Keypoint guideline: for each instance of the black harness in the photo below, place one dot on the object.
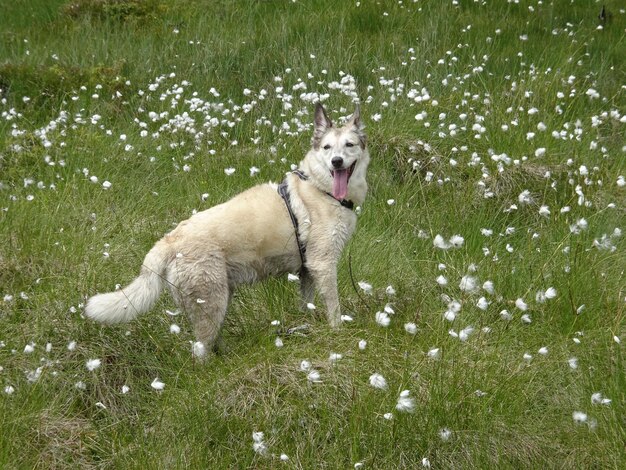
(284, 193)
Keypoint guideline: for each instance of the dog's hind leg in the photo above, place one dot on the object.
(307, 289)
(201, 289)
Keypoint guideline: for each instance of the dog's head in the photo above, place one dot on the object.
(340, 153)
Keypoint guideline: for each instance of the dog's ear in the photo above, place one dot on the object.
(358, 125)
(322, 124)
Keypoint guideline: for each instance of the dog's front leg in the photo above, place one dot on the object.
(325, 279)
(307, 288)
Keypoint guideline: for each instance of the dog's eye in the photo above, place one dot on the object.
(326, 147)
(349, 144)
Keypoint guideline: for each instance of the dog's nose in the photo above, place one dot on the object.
(337, 162)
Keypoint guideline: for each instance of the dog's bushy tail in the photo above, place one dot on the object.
(138, 297)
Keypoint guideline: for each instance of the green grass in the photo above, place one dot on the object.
(77, 60)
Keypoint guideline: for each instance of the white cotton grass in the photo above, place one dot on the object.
(456, 241)
(378, 381)
(405, 403)
(365, 287)
(258, 443)
(410, 328)
(157, 384)
(93, 364)
(382, 318)
(468, 284)
(198, 350)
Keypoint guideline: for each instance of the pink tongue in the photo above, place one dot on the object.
(340, 183)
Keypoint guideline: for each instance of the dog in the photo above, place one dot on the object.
(301, 225)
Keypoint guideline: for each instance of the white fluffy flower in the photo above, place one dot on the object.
(405, 404)
(378, 381)
(440, 243)
(457, 241)
(382, 319)
(157, 384)
(468, 283)
(410, 328)
(93, 364)
(314, 376)
(198, 350)
(366, 287)
(520, 304)
(579, 417)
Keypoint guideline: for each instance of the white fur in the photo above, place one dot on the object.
(251, 237)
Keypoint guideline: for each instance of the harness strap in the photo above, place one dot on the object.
(284, 193)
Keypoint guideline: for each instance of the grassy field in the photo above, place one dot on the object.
(492, 233)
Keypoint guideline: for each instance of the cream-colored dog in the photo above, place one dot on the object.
(300, 226)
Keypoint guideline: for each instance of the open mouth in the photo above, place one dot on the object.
(341, 176)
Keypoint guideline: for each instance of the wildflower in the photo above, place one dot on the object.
(29, 348)
(310, 306)
(425, 462)
(382, 319)
(543, 351)
(367, 288)
(125, 389)
(405, 403)
(388, 416)
(390, 290)
(579, 417)
(284, 457)
(157, 384)
(457, 241)
(346, 318)
(482, 303)
(442, 281)
(524, 197)
(174, 329)
(440, 243)
(573, 362)
(527, 357)
(410, 328)
(314, 376)
(597, 399)
(229, 171)
(292, 277)
(434, 353)
(305, 365)
(520, 304)
(334, 357)
(506, 315)
(445, 434)
(488, 287)
(106, 185)
(258, 444)
(544, 211)
(378, 381)
(468, 283)
(526, 318)
(9, 390)
(93, 364)
(198, 350)
(465, 333)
